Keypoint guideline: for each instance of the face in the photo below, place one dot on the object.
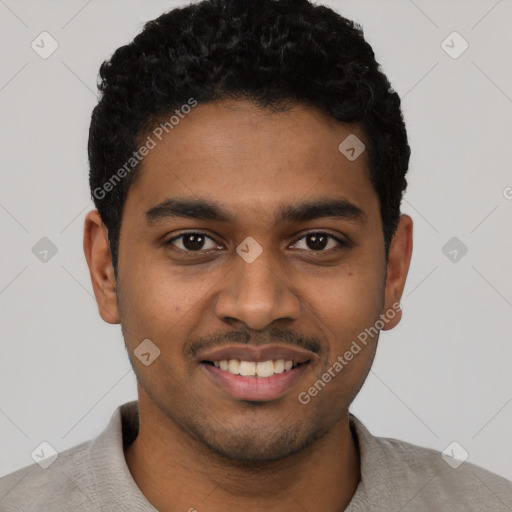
(248, 236)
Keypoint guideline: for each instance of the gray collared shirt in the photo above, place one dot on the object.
(395, 476)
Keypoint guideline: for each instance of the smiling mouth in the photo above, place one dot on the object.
(257, 373)
(259, 369)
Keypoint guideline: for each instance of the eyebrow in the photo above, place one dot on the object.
(199, 209)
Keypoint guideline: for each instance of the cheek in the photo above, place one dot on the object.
(160, 304)
(353, 292)
(350, 304)
(347, 310)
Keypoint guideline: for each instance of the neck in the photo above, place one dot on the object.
(175, 472)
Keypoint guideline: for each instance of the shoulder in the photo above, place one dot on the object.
(430, 480)
(67, 484)
(422, 479)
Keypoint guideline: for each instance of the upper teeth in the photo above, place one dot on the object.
(252, 368)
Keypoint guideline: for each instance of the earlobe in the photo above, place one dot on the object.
(399, 259)
(99, 261)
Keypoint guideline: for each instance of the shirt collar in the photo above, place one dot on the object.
(112, 477)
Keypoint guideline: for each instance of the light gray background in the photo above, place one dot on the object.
(442, 375)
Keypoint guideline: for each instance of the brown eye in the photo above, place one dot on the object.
(192, 241)
(319, 241)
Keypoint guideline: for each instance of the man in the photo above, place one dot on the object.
(247, 162)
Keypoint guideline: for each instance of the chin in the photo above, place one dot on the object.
(257, 445)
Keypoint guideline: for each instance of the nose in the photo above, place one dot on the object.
(257, 293)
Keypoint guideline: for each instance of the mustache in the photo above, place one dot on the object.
(244, 337)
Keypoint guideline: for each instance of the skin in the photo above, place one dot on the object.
(198, 447)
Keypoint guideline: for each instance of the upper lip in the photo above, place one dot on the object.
(256, 353)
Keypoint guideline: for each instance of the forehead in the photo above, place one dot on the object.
(250, 159)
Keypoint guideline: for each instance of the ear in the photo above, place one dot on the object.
(400, 252)
(99, 261)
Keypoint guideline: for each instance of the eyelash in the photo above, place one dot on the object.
(341, 242)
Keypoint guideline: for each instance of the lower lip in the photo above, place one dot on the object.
(256, 388)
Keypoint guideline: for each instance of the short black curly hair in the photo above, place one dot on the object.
(271, 52)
